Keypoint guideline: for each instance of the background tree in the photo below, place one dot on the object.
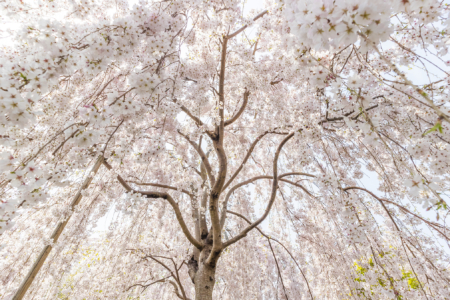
(144, 145)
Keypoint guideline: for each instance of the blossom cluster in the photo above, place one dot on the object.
(350, 96)
(324, 23)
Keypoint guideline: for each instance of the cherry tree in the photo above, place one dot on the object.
(198, 150)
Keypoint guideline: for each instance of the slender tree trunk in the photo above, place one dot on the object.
(26, 283)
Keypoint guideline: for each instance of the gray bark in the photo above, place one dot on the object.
(205, 278)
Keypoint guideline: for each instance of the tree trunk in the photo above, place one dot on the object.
(205, 277)
(204, 282)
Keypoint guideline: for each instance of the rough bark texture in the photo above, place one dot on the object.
(205, 278)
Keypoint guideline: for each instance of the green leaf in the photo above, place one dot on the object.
(23, 76)
(437, 126)
(413, 283)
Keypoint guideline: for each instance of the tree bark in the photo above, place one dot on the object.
(204, 282)
(26, 283)
(205, 278)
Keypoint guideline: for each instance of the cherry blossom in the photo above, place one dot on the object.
(203, 150)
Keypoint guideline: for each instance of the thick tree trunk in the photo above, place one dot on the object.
(204, 282)
(205, 277)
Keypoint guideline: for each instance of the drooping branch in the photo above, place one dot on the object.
(194, 118)
(231, 191)
(176, 208)
(234, 188)
(247, 156)
(175, 276)
(442, 116)
(278, 268)
(298, 185)
(241, 110)
(110, 137)
(404, 209)
(51, 140)
(417, 55)
(273, 253)
(155, 195)
(145, 286)
(123, 95)
(273, 239)
(203, 156)
(346, 115)
(64, 142)
(271, 200)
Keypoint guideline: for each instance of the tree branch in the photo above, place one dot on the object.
(271, 200)
(278, 268)
(271, 238)
(247, 156)
(298, 185)
(225, 203)
(441, 115)
(175, 276)
(244, 27)
(147, 285)
(346, 115)
(231, 191)
(169, 199)
(37, 265)
(110, 137)
(63, 143)
(202, 155)
(203, 203)
(241, 110)
(162, 186)
(51, 140)
(220, 151)
(194, 118)
(404, 209)
(176, 290)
